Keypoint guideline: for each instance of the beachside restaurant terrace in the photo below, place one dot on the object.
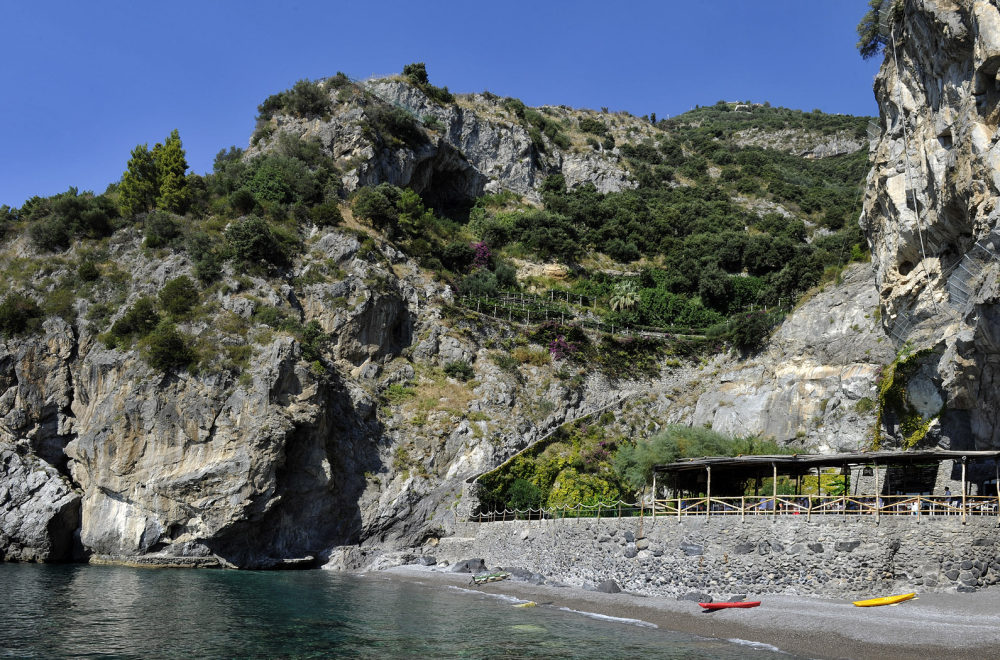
(893, 483)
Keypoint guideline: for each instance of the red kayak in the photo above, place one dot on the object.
(721, 606)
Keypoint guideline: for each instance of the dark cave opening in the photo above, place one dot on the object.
(448, 183)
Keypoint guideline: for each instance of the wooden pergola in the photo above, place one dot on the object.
(731, 474)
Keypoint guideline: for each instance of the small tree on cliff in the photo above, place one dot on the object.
(873, 33)
(155, 179)
(137, 192)
(172, 193)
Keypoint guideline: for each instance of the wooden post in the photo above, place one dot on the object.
(847, 486)
(678, 506)
(878, 493)
(708, 491)
(743, 506)
(598, 511)
(996, 463)
(774, 489)
(963, 490)
(654, 497)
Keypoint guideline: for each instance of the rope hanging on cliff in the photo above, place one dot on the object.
(906, 166)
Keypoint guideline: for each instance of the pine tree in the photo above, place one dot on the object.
(172, 193)
(155, 179)
(137, 192)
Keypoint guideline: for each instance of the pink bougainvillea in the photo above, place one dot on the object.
(559, 348)
(482, 258)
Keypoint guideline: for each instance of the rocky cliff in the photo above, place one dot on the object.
(282, 449)
(460, 150)
(932, 219)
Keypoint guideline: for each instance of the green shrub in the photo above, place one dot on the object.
(138, 321)
(61, 302)
(162, 229)
(397, 393)
(417, 74)
(506, 275)
(864, 405)
(457, 256)
(88, 271)
(522, 495)
(278, 179)
(326, 214)
(505, 361)
(178, 295)
(480, 284)
(595, 126)
(51, 233)
(391, 125)
(377, 205)
(19, 314)
(166, 349)
(305, 98)
(750, 331)
(242, 201)
(252, 242)
(459, 369)
(432, 122)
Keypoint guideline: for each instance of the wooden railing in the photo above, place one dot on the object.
(843, 505)
(753, 505)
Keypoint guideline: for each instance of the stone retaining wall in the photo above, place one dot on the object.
(785, 554)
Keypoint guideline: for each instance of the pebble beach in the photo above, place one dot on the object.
(933, 625)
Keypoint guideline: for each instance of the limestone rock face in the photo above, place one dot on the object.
(467, 148)
(931, 212)
(39, 511)
(808, 382)
(369, 448)
(802, 143)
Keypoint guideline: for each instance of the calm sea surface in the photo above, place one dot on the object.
(112, 612)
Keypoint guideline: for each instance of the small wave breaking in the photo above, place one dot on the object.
(616, 619)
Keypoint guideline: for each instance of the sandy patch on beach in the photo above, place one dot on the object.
(935, 625)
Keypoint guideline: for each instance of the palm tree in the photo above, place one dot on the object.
(624, 295)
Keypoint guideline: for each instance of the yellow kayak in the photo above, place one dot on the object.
(885, 600)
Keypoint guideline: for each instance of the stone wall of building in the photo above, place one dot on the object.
(829, 555)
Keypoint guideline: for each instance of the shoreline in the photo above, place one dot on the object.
(939, 625)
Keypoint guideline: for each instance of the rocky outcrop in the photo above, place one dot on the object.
(808, 144)
(931, 212)
(465, 149)
(815, 380)
(39, 510)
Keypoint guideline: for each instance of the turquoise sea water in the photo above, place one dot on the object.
(115, 612)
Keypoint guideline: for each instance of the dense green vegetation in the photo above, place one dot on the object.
(587, 462)
(703, 256)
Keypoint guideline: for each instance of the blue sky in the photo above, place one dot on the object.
(84, 82)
